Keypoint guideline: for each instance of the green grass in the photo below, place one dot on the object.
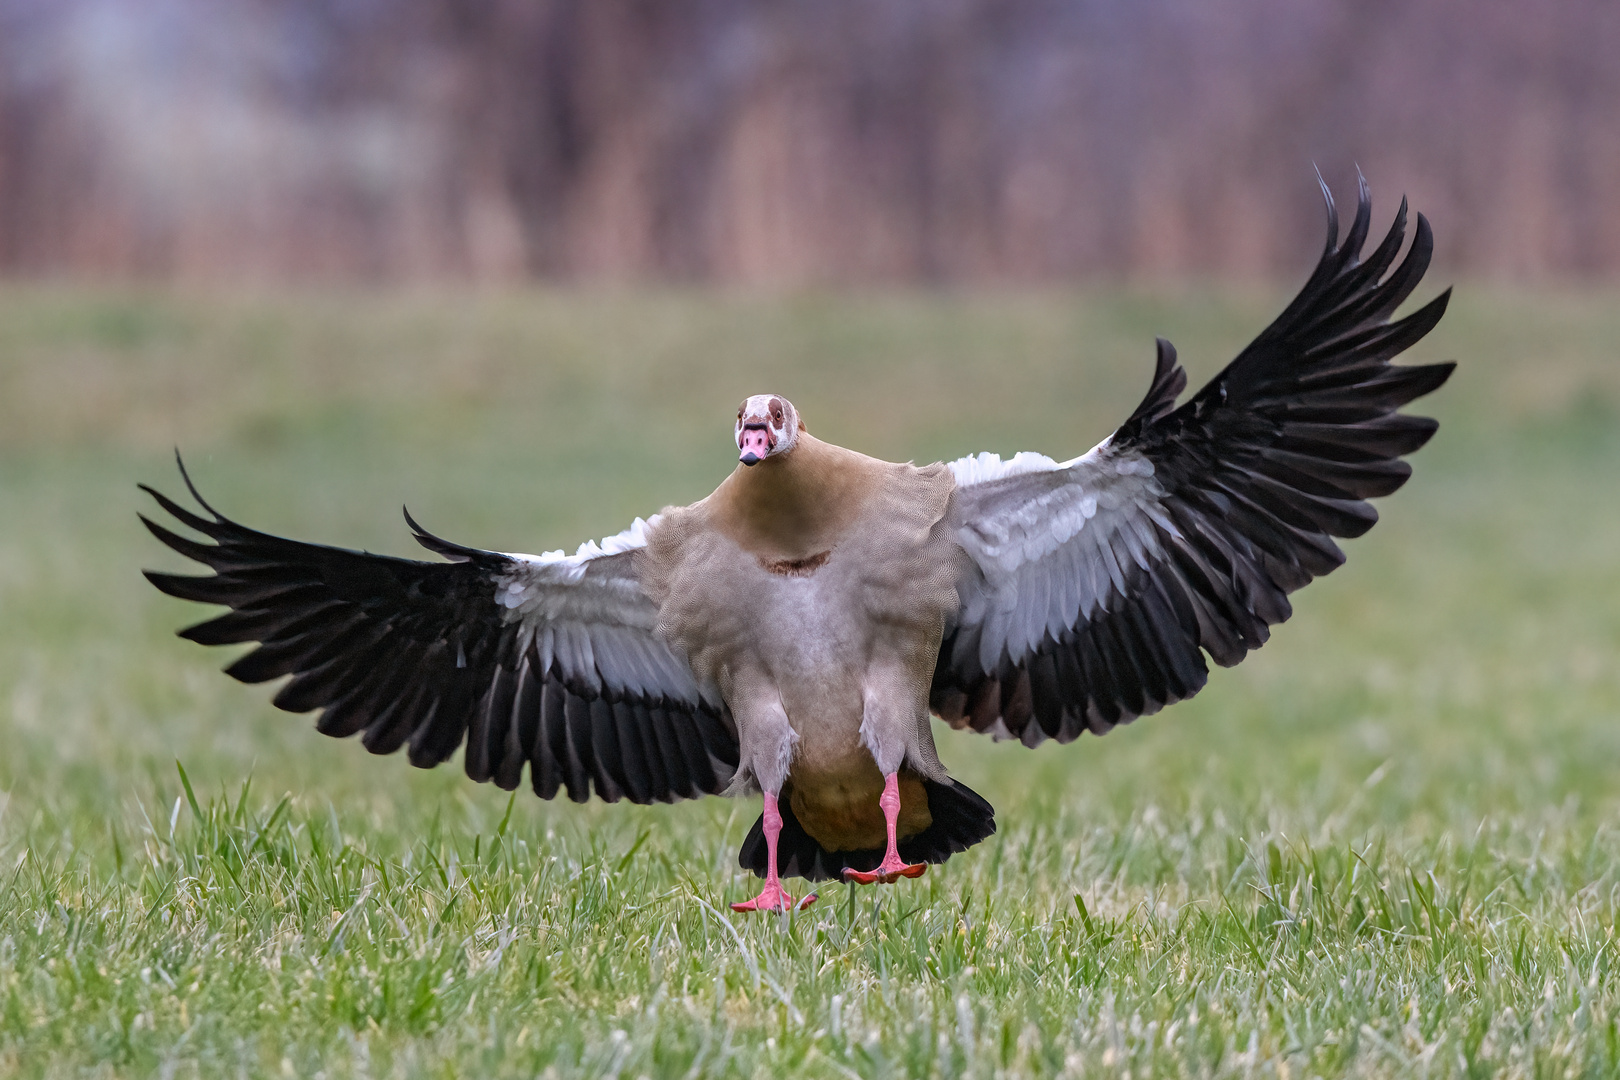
(1388, 844)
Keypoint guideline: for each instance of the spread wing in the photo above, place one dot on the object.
(1094, 587)
(550, 660)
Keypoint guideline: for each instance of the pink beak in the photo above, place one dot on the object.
(755, 444)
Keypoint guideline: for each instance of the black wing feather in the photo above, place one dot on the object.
(421, 654)
(1257, 474)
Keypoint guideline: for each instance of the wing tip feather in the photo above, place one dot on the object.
(191, 487)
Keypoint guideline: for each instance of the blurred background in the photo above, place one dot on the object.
(792, 143)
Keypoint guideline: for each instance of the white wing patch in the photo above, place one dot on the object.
(572, 567)
(983, 467)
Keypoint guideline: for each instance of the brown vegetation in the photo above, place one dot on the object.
(793, 142)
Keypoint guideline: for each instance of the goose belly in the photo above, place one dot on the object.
(792, 644)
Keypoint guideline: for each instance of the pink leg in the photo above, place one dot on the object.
(772, 897)
(891, 869)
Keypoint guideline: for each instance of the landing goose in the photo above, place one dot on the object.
(791, 633)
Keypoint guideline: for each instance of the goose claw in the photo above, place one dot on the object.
(887, 873)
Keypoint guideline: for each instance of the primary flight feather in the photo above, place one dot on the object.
(791, 633)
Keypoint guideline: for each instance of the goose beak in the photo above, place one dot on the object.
(755, 444)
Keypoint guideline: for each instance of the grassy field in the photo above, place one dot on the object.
(1386, 845)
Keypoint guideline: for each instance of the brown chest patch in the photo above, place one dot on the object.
(797, 567)
(850, 819)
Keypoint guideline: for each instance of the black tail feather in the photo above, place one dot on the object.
(961, 819)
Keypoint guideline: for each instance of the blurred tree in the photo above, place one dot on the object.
(790, 141)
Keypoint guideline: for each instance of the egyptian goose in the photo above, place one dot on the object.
(791, 633)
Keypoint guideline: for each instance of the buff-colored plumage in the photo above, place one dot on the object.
(813, 589)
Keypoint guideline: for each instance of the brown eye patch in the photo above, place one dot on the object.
(776, 410)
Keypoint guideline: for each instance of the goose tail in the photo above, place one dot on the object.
(961, 816)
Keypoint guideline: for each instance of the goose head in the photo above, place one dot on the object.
(767, 426)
